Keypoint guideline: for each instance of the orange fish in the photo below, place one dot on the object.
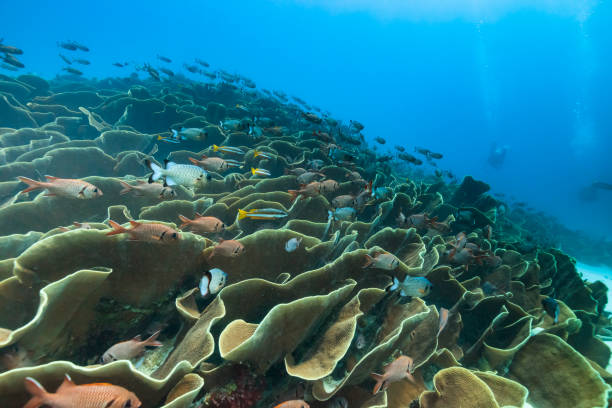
(228, 248)
(201, 224)
(70, 188)
(215, 164)
(399, 369)
(308, 190)
(127, 350)
(293, 404)
(150, 232)
(70, 395)
(443, 319)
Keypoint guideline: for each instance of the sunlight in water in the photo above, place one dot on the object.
(450, 9)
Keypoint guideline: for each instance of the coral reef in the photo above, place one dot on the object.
(307, 321)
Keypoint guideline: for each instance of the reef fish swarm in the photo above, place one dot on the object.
(279, 287)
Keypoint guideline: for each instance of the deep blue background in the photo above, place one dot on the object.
(536, 81)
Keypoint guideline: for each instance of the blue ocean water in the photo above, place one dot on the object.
(455, 78)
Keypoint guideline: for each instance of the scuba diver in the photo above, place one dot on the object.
(497, 155)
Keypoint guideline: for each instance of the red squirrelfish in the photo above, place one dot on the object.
(293, 404)
(70, 188)
(215, 164)
(70, 395)
(227, 248)
(201, 224)
(150, 232)
(127, 350)
(398, 370)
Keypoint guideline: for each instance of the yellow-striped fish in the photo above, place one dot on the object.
(262, 214)
(259, 172)
(265, 155)
(227, 149)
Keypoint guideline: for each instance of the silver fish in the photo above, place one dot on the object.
(212, 281)
(412, 286)
(178, 174)
(293, 244)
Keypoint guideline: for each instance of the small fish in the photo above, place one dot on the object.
(72, 71)
(443, 319)
(345, 200)
(9, 67)
(65, 59)
(216, 164)
(191, 68)
(82, 61)
(68, 45)
(242, 108)
(329, 186)
(185, 175)
(69, 188)
(152, 190)
(212, 282)
(234, 163)
(412, 286)
(353, 176)
(9, 59)
(202, 63)
(70, 395)
(127, 350)
(293, 244)
(167, 72)
(265, 155)
(231, 125)
(259, 172)
(227, 248)
(147, 232)
(311, 117)
(343, 214)
(380, 140)
(12, 357)
(487, 232)
(202, 224)
(227, 149)
(164, 59)
(310, 190)
(399, 369)
(360, 341)
(262, 214)
(120, 64)
(152, 72)
(293, 404)
(80, 46)
(323, 136)
(77, 225)
(9, 49)
(400, 149)
(194, 134)
(298, 171)
(275, 130)
(357, 125)
(433, 155)
(382, 260)
(551, 306)
(315, 164)
(308, 177)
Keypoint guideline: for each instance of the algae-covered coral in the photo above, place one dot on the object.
(321, 266)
